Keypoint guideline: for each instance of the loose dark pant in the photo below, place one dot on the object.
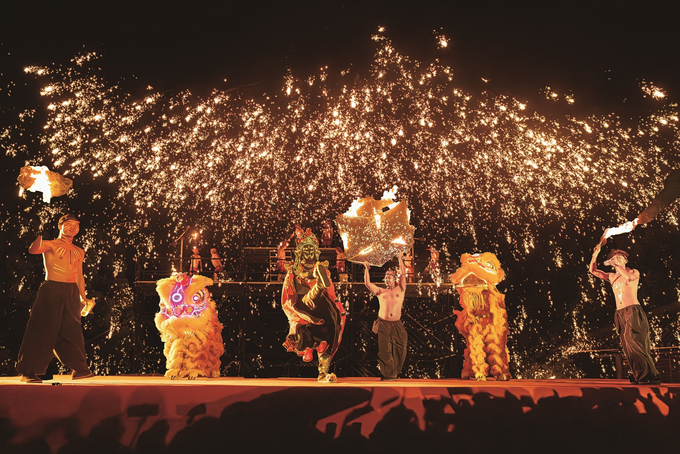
(54, 327)
(633, 328)
(392, 340)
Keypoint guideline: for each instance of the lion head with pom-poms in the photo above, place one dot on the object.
(189, 327)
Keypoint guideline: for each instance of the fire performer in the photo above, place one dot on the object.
(630, 320)
(315, 316)
(392, 336)
(54, 325)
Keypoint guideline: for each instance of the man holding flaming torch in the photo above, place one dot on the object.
(631, 321)
(54, 325)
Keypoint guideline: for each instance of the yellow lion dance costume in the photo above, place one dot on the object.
(483, 321)
(189, 327)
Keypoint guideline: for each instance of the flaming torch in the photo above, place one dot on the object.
(40, 179)
(670, 192)
(376, 230)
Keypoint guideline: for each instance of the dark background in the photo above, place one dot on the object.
(598, 51)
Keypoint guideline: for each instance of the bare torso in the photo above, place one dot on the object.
(391, 301)
(625, 288)
(63, 260)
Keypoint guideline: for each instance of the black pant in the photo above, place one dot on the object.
(54, 327)
(633, 328)
(392, 340)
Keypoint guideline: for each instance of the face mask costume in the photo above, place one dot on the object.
(315, 316)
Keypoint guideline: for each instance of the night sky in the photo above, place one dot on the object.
(596, 49)
(560, 137)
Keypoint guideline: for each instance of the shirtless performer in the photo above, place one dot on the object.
(630, 319)
(392, 337)
(54, 325)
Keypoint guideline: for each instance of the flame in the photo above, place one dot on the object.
(354, 208)
(623, 228)
(42, 183)
(366, 250)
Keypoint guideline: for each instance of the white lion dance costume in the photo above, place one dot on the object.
(189, 327)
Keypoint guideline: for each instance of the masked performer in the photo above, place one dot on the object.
(54, 325)
(392, 336)
(630, 320)
(315, 316)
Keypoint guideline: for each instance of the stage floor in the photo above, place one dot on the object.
(143, 413)
(159, 380)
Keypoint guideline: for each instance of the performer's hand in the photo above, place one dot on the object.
(88, 304)
(367, 265)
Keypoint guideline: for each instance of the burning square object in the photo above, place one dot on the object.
(375, 230)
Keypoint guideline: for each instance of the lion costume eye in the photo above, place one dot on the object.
(198, 296)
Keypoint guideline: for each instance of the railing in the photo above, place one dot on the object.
(259, 264)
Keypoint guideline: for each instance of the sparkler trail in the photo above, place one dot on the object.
(480, 172)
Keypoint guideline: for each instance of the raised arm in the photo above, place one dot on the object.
(367, 280)
(402, 271)
(593, 265)
(38, 246)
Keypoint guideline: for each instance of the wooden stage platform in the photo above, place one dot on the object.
(143, 414)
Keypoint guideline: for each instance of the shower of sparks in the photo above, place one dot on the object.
(480, 172)
(651, 90)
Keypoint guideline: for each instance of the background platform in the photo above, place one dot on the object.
(154, 414)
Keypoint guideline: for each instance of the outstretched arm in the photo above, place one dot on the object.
(593, 265)
(367, 280)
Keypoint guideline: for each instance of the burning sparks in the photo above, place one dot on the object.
(650, 90)
(480, 171)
